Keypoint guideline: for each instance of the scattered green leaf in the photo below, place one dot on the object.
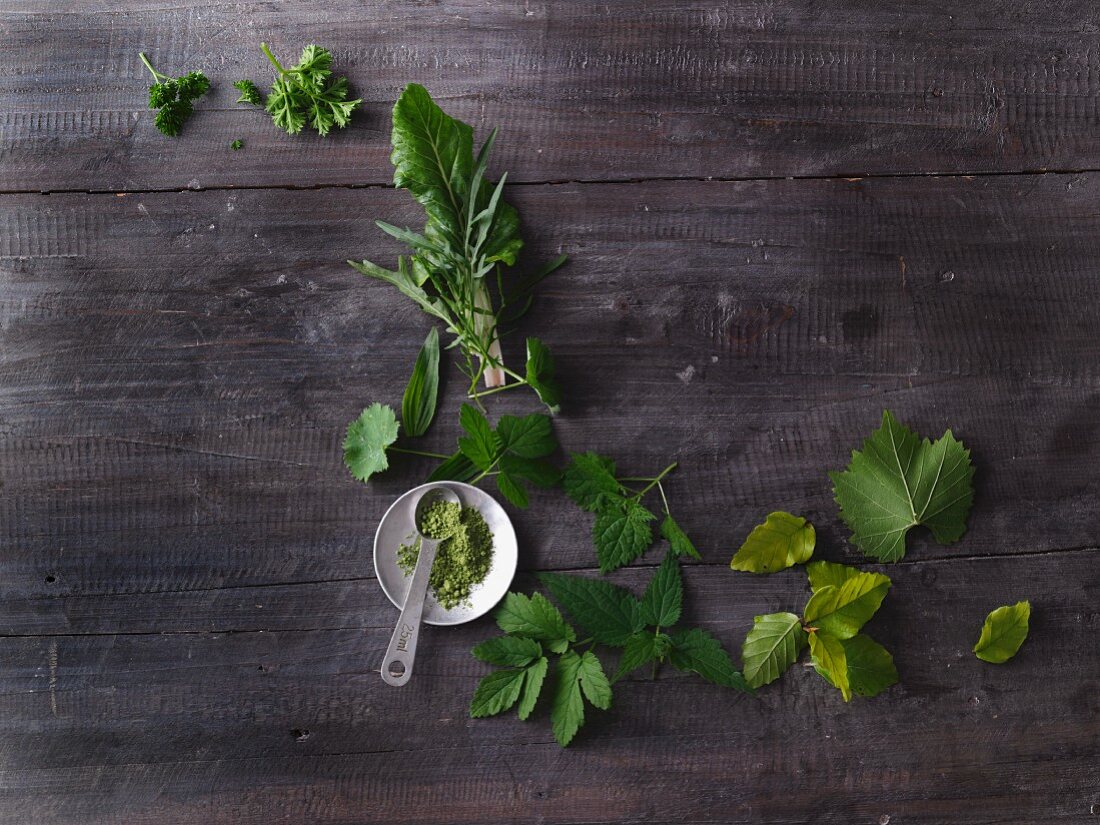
(830, 661)
(782, 541)
(174, 97)
(664, 597)
(236, 145)
(534, 617)
(306, 93)
(771, 647)
(608, 613)
(368, 437)
(842, 611)
(418, 403)
(677, 539)
(1003, 631)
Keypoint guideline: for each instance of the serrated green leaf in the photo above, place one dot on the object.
(842, 611)
(496, 693)
(538, 471)
(594, 684)
(828, 656)
(367, 439)
(540, 374)
(589, 479)
(536, 618)
(567, 715)
(664, 596)
(480, 444)
(870, 666)
(899, 481)
(509, 651)
(529, 437)
(640, 649)
(697, 651)
(1003, 631)
(782, 541)
(771, 646)
(511, 490)
(823, 573)
(532, 686)
(608, 613)
(418, 403)
(621, 533)
(677, 539)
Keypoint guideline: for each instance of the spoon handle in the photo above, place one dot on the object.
(398, 664)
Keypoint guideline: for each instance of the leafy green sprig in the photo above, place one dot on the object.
(173, 97)
(471, 233)
(305, 93)
(622, 530)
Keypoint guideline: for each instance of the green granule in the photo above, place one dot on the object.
(463, 558)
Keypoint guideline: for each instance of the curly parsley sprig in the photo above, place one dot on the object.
(173, 97)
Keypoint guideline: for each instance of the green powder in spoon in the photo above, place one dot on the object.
(464, 556)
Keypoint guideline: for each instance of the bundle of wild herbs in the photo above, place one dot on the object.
(471, 232)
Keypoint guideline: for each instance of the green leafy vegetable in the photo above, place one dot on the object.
(303, 94)
(771, 647)
(1003, 631)
(236, 145)
(622, 530)
(174, 97)
(367, 440)
(664, 597)
(471, 232)
(418, 403)
(899, 481)
(534, 617)
(780, 542)
(608, 613)
(511, 651)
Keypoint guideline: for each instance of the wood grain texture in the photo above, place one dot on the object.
(584, 91)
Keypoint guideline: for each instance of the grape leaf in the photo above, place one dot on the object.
(536, 618)
(842, 611)
(368, 437)
(510, 651)
(697, 651)
(418, 403)
(567, 715)
(590, 481)
(771, 646)
(496, 692)
(532, 686)
(1003, 631)
(828, 656)
(780, 542)
(608, 613)
(677, 539)
(822, 573)
(899, 481)
(870, 666)
(621, 533)
(664, 596)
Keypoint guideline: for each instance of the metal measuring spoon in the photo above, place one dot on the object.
(398, 664)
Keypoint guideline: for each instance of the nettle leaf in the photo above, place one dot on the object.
(509, 651)
(664, 596)
(589, 479)
(536, 618)
(480, 444)
(532, 686)
(842, 611)
(538, 471)
(823, 573)
(621, 533)
(608, 613)
(870, 666)
(529, 437)
(640, 649)
(831, 662)
(1003, 631)
(677, 539)
(418, 403)
(540, 374)
(496, 692)
(782, 541)
(367, 439)
(511, 489)
(899, 481)
(697, 651)
(771, 646)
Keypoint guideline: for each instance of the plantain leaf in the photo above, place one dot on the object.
(418, 403)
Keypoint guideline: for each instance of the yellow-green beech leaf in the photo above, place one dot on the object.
(842, 611)
(899, 481)
(822, 573)
(771, 647)
(782, 541)
(831, 662)
(1003, 632)
(870, 666)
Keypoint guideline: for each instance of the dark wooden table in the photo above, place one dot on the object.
(782, 217)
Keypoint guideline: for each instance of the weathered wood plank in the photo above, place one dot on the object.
(583, 91)
(176, 370)
(244, 727)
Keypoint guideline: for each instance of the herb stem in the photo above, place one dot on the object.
(157, 76)
(657, 480)
(661, 490)
(271, 57)
(418, 452)
(501, 388)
